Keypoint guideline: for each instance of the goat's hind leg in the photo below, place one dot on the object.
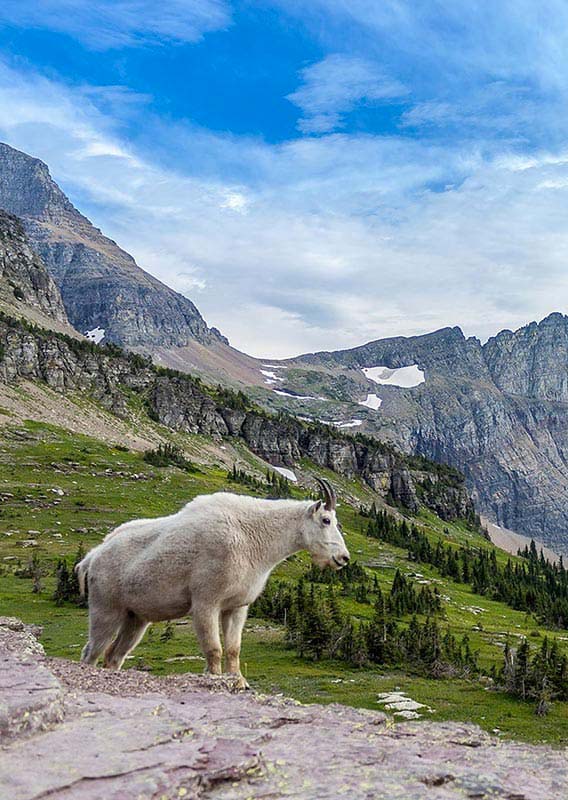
(130, 633)
(103, 626)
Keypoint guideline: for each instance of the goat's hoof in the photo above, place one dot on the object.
(239, 683)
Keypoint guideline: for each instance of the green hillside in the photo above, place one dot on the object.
(59, 490)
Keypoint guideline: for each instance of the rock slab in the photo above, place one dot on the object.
(95, 734)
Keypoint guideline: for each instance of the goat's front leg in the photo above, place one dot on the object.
(233, 622)
(206, 624)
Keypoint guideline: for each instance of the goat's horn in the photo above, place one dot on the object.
(328, 492)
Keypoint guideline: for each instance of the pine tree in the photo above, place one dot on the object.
(359, 654)
(315, 628)
(521, 670)
(62, 583)
(74, 589)
(334, 611)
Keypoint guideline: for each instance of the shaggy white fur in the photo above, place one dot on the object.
(211, 559)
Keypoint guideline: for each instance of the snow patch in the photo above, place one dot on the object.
(354, 423)
(96, 335)
(405, 377)
(373, 401)
(274, 366)
(287, 473)
(270, 376)
(284, 393)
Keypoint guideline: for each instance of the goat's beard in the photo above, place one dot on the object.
(324, 561)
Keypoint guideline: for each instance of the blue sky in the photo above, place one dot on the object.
(312, 175)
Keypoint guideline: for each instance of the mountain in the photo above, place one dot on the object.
(102, 287)
(498, 411)
(26, 288)
(184, 404)
(495, 411)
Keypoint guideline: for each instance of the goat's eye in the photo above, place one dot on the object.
(326, 521)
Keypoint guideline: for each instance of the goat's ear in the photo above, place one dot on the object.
(315, 508)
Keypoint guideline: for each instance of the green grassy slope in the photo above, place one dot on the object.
(58, 489)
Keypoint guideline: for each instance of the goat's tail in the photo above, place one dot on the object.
(82, 572)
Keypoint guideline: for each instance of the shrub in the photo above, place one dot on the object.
(168, 455)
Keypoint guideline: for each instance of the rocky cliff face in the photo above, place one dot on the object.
(498, 411)
(24, 280)
(533, 361)
(101, 285)
(181, 403)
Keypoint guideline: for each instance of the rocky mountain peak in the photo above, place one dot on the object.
(27, 188)
(102, 287)
(533, 361)
(446, 351)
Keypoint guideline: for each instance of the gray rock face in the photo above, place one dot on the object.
(23, 277)
(123, 735)
(498, 412)
(533, 361)
(101, 285)
(30, 696)
(180, 403)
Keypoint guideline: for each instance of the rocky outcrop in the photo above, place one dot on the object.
(181, 403)
(498, 412)
(101, 285)
(31, 698)
(533, 361)
(24, 280)
(119, 735)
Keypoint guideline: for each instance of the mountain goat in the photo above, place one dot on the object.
(211, 559)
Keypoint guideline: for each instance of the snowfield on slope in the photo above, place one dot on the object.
(287, 473)
(373, 401)
(270, 376)
(285, 393)
(404, 377)
(96, 335)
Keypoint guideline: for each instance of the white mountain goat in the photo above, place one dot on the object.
(211, 559)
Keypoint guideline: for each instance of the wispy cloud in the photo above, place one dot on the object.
(330, 240)
(334, 86)
(472, 67)
(110, 24)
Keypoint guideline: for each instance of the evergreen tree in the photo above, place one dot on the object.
(62, 591)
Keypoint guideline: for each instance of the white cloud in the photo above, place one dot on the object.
(109, 24)
(236, 201)
(334, 86)
(345, 238)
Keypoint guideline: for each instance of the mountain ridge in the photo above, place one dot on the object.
(182, 403)
(497, 409)
(101, 285)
